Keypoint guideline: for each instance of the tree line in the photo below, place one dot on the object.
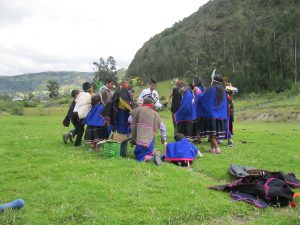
(254, 42)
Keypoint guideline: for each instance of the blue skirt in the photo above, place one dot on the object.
(122, 121)
(141, 152)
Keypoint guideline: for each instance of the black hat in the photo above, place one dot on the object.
(86, 86)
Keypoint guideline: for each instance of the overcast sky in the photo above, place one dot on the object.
(56, 35)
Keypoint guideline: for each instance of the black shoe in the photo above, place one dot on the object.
(157, 160)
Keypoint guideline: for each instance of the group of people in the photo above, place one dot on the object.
(196, 112)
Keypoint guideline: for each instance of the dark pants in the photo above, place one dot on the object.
(174, 123)
(80, 132)
(75, 122)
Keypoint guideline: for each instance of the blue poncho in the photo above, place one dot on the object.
(208, 106)
(187, 109)
(94, 118)
(182, 150)
(141, 152)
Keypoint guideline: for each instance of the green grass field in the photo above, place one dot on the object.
(65, 185)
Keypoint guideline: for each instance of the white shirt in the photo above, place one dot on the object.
(83, 104)
(154, 94)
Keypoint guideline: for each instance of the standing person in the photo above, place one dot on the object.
(117, 111)
(198, 90)
(153, 93)
(176, 97)
(106, 91)
(186, 114)
(82, 107)
(213, 112)
(96, 129)
(230, 110)
(73, 117)
(144, 124)
(134, 101)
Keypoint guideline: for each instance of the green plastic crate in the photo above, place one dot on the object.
(113, 149)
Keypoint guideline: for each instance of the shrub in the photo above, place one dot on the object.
(30, 103)
(15, 108)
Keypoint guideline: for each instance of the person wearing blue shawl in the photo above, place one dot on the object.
(198, 90)
(212, 109)
(181, 152)
(118, 109)
(186, 114)
(96, 128)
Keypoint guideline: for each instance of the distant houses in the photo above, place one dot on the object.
(17, 99)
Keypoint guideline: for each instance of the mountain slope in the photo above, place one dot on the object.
(255, 42)
(38, 81)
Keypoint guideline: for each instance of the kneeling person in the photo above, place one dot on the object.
(181, 152)
(145, 122)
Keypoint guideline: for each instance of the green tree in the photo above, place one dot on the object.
(105, 69)
(53, 88)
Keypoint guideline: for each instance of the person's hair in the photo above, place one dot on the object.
(124, 82)
(153, 82)
(179, 83)
(178, 136)
(230, 92)
(220, 86)
(74, 93)
(198, 81)
(96, 99)
(108, 80)
(86, 86)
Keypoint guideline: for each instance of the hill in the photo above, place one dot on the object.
(37, 81)
(255, 42)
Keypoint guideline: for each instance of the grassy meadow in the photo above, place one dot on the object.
(62, 184)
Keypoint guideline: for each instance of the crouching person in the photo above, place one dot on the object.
(181, 152)
(96, 127)
(144, 124)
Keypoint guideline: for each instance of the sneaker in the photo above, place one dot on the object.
(213, 150)
(65, 138)
(157, 159)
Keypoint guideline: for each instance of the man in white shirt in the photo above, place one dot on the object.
(82, 107)
(153, 93)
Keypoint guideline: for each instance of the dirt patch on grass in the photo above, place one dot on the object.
(269, 116)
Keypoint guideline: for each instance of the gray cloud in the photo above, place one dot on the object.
(40, 35)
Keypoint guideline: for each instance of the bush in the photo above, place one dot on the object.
(14, 108)
(30, 103)
(63, 101)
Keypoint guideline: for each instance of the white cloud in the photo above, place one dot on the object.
(39, 35)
